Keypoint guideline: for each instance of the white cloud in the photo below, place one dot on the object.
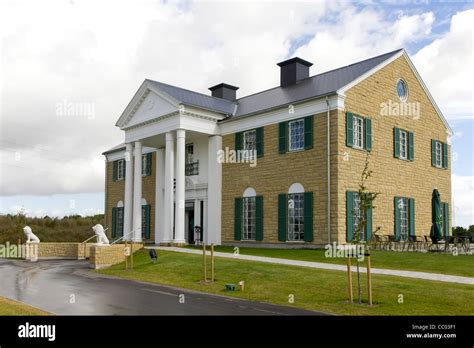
(99, 53)
(463, 192)
(446, 66)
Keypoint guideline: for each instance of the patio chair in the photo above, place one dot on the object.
(411, 243)
(428, 243)
(419, 243)
(377, 242)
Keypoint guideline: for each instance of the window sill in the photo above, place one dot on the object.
(358, 148)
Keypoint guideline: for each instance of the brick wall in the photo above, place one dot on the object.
(274, 174)
(105, 256)
(116, 193)
(391, 176)
(58, 250)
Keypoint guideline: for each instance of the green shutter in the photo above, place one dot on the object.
(411, 216)
(368, 227)
(397, 218)
(282, 205)
(238, 219)
(368, 134)
(114, 170)
(259, 132)
(308, 132)
(445, 155)
(446, 219)
(238, 141)
(349, 215)
(147, 210)
(349, 129)
(121, 211)
(396, 142)
(411, 147)
(433, 153)
(259, 218)
(148, 163)
(114, 222)
(282, 137)
(308, 216)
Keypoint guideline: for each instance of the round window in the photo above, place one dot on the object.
(402, 90)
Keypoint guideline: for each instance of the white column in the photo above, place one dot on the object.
(128, 204)
(180, 189)
(168, 190)
(137, 193)
(159, 195)
(214, 188)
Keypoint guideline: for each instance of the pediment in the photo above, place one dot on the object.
(146, 105)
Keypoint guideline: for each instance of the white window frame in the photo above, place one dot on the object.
(358, 131)
(298, 144)
(404, 218)
(189, 153)
(439, 154)
(295, 231)
(357, 211)
(144, 164)
(249, 215)
(404, 97)
(403, 144)
(120, 169)
(249, 151)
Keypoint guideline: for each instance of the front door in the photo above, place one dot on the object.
(189, 209)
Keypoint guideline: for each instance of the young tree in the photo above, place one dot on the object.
(360, 212)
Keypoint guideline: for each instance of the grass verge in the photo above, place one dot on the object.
(11, 307)
(443, 263)
(313, 289)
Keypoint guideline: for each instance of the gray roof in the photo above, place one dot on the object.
(200, 100)
(312, 87)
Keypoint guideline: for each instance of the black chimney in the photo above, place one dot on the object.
(224, 91)
(293, 70)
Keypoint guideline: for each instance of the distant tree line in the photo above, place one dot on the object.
(72, 228)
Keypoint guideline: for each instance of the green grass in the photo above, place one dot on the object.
(313, 289)
(10, 307)
(461, 265)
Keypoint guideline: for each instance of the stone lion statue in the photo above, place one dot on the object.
(30, 236)
(100, 234)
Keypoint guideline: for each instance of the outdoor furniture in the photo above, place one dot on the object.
(428, 242)
(419, 242)
(411, 243)
(377, 242)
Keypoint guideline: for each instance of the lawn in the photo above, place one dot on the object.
(461, 265)
(10, 307)
(313, 289)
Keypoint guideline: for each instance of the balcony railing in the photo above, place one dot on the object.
(192, 168)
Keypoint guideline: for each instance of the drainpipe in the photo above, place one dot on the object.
(328, 138)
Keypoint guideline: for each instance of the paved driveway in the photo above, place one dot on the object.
(70, 288)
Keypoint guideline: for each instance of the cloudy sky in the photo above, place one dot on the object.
(95, 54)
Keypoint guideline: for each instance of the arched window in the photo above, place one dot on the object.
(249, 214)
(296, 212)
(117, 220)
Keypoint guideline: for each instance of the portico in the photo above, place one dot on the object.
(188, 180)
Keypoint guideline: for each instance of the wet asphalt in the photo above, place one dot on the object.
(69, 287)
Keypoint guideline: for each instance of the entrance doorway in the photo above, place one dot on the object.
(189, 222)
